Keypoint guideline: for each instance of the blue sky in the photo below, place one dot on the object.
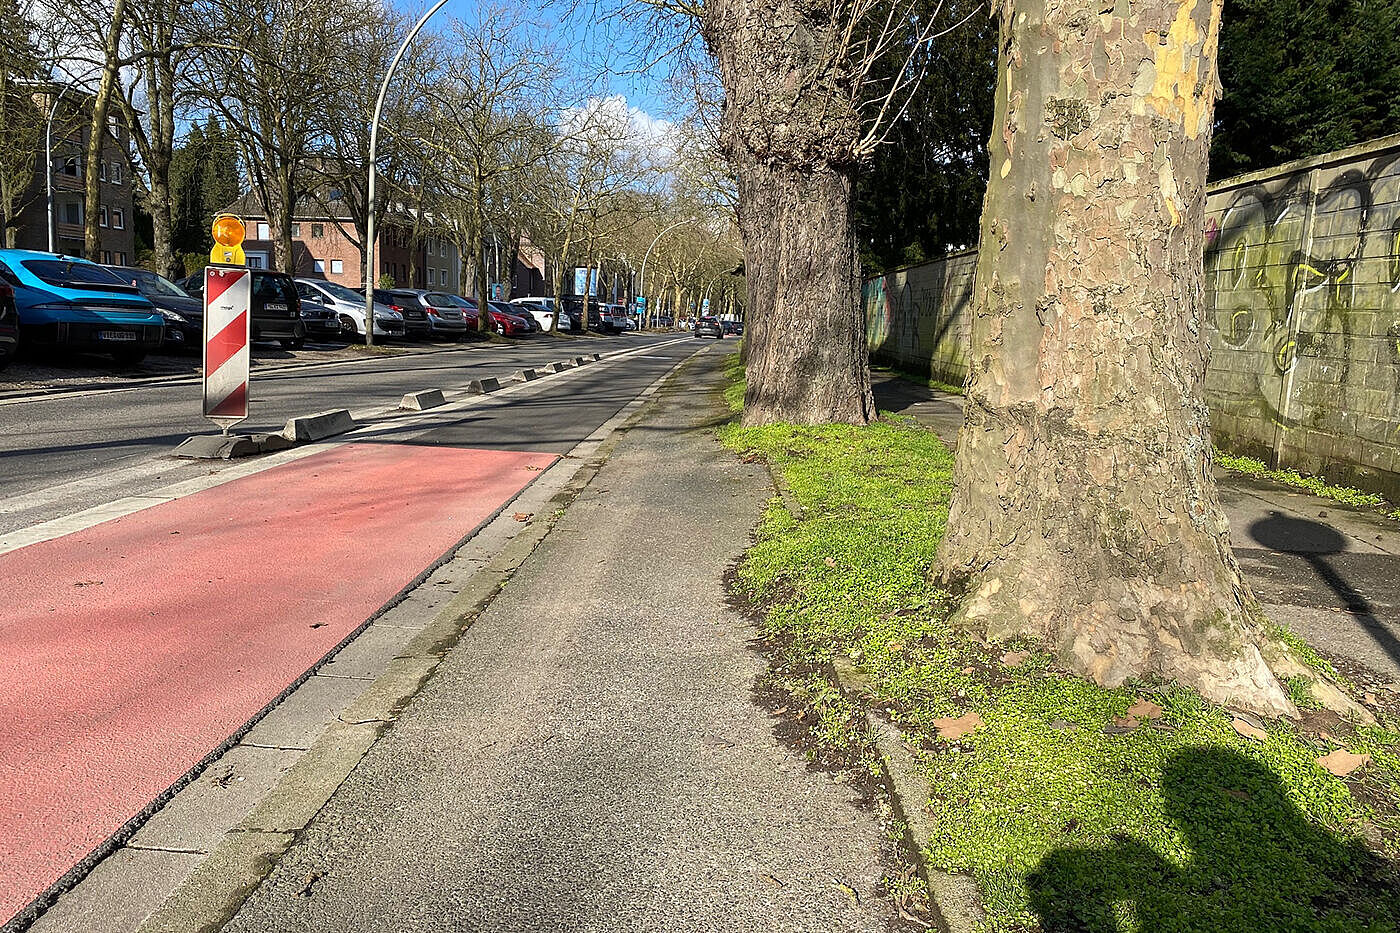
(598, 51)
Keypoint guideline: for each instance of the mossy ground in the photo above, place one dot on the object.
(1067, 821)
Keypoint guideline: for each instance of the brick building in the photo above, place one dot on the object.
(321, 248)
(70, 108)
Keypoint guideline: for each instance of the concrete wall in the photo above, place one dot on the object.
(1302, 312)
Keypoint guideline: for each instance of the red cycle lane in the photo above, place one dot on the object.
(131, 650)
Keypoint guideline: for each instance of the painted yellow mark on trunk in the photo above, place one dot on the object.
(1177, 89)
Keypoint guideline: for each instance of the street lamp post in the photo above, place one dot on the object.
(374, 170)
(642, 276)
(48, 161)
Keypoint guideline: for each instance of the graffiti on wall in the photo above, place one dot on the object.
(916, 317)
(1303, 272)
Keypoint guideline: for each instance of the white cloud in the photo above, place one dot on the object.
(612, 116)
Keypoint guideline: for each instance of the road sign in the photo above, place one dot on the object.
(228, 298)
(641, 302)
(228, 241)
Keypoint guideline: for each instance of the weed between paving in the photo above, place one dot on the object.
(1178, 824)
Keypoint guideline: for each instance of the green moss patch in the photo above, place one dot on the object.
(1069, 815)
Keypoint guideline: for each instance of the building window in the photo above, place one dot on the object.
(71, 166)
(102, 216)
(118, 219)
(432, 277)
(296, 230)
(121, 259)
(337, 267)
(116, 177)
(102, 171)
(264, 232)
(73, 213)
(318, 265)
(255, 262)
(106, 257)
(318, 231)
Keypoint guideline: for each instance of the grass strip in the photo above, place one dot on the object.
(1070, 815)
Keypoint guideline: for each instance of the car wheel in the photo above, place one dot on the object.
(128, 357)
(293, 343)
(348, 328)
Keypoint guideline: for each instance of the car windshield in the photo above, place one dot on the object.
(442, 300)
(336, 290)
(152, 284)
(65, 273)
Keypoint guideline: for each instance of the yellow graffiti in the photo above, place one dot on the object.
(1178, 68)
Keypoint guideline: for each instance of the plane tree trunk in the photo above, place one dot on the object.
(790, 129)
(1085, 512)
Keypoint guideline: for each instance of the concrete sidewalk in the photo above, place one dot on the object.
(1328, 572)
(588, 757)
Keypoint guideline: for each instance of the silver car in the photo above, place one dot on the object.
(349, 305)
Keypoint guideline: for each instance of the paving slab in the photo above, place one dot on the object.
(299, 720)
(120, 893)
(216, 801)
(368, 654)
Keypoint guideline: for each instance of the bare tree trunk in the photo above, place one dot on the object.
(97, 134)
(280, 208)
(792, 151)
(1085, 511)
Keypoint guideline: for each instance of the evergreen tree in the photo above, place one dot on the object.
(1304, 77)
(204, 180)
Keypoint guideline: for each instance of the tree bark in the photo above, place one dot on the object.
(1085, 511)
(790, 127)
(97, 134)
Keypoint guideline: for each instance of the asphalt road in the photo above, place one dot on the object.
(64, 453)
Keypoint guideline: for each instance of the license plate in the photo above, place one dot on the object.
(115, 335)
(275, 307)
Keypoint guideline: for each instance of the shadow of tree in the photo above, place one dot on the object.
(1254, 864)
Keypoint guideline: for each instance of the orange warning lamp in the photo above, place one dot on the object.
(228, 230)
(228, 241)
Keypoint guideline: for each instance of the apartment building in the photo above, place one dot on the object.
(68, 110)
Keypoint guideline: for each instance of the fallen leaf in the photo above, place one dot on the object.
(1238, 794)
(830, 562)
(1121, 726)
(1126, 722)
(1370, 698)
(88, 583)
(951, 728)
(849, 891)
(1342, 762)
(1015, 658)
(523, 516)
(1145, 709)
(895, 645)
(1249, 730)
(771, 879)
(1062, 725)
(969, 670)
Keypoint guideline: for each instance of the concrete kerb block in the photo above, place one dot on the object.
(483, 386)
(318, 426)
(216, 447)
(526, 375)
(422, 401)
(594, 357)
(580, 360)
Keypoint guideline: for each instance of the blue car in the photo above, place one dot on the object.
(74, 304)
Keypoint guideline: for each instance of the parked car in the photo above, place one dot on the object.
(322, 323)
(597, 320)
(276, 307)
(541, 313)
(184, 314)
(709, 327)
(733, 328)
(9, 325)
(442, 317)
(505, 307)
(349, 306)
(505, 323)
(63, 301)
(415, 319)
